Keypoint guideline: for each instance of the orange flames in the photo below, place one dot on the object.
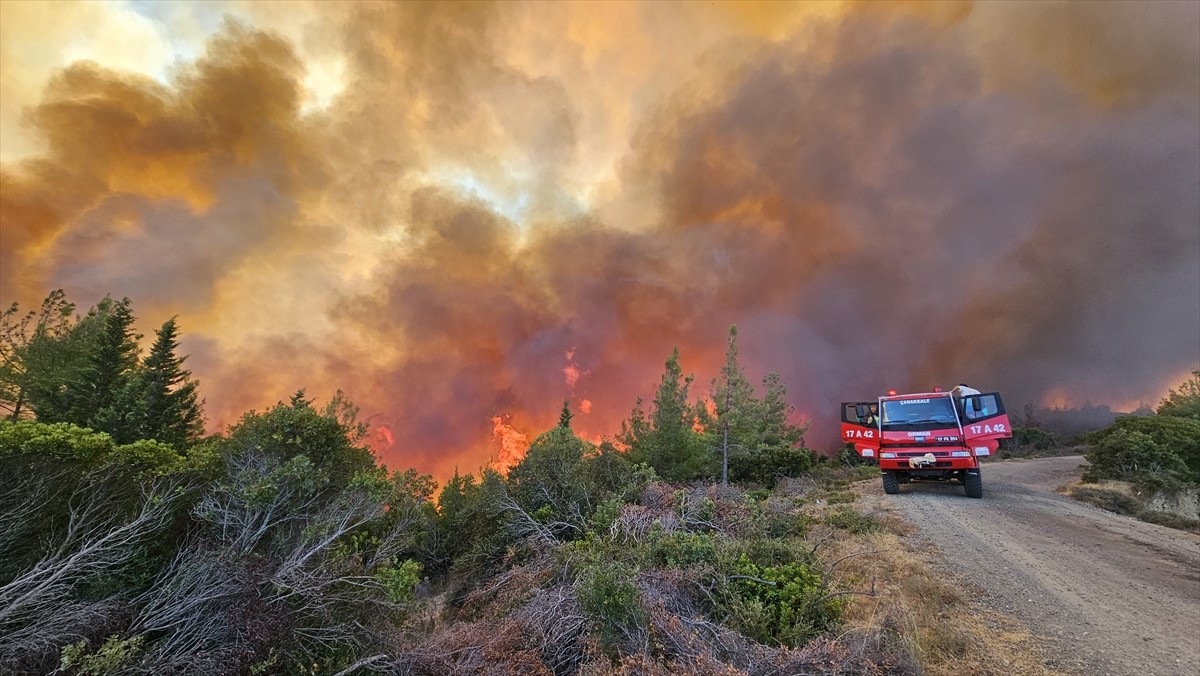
(513, 443)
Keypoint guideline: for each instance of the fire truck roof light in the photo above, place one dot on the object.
(891, 393)
(937, 388)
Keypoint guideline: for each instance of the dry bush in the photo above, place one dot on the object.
(794, 487)
(508, 589)
(547, 635)
(526, 620)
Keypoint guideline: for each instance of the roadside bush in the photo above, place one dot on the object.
(1173, 439)
(1179, 435)
(1131, 455)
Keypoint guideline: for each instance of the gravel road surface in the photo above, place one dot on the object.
(1110, 594)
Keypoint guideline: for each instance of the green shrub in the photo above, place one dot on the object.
(609, 595)
(757, 495)
(400, 581)
(109, 658)
(682, 550)
(759, 551)
(1131, 455)
(1184, 403)
(765, 466)
(1179, 436)
(785, 603)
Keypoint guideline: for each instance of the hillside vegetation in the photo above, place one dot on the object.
(131, 543)
(704, 539)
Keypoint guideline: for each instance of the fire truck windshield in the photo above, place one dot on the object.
(903, 413)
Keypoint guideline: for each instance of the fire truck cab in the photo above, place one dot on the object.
(928, 436)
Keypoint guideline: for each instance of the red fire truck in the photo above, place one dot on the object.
(930, 436)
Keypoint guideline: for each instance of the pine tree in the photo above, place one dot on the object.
(98, 397)
(564, 418)
(667, 441)
(170, 410)
(775, 430)
(735, 404)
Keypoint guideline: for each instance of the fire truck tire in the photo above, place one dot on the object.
(973, 483)
(891, 483)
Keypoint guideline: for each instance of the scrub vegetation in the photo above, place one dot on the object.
(132, 544)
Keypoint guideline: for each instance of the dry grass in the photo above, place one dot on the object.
(921, 607)
(1122, 497)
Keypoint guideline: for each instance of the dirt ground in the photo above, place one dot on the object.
(1107, 594)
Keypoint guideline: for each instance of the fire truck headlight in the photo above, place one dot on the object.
(982, 450)
(868, 453)
(960, 454)
(887, 455)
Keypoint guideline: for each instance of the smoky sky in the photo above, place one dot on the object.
(876, 197)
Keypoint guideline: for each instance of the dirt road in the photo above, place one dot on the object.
(1110, 594)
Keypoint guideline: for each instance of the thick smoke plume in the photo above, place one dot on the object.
(503, 206)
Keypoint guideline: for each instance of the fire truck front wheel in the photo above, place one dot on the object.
(891, 483)
(972, 483)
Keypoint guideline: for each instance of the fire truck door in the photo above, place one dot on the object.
(860, 424)
(984, 417)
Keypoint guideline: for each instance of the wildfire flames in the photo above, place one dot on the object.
(511, 443)
(429, 205)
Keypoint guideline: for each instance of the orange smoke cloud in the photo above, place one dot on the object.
(877, 194)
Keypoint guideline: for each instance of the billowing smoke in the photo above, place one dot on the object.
(504, 206)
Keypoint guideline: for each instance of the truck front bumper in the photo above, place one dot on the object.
(916, 460)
